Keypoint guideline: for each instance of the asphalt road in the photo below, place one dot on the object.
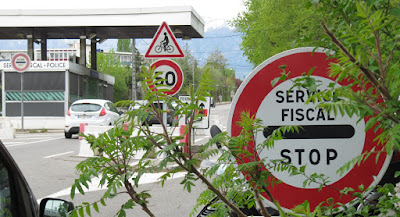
(48, 162)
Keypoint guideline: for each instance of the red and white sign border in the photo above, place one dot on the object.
(283, 192)
(165, 26)
(23, 69)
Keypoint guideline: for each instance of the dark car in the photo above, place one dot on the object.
(169, 110)
(17, 199)
(151, 118)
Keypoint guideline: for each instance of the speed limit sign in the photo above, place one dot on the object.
(170, 76)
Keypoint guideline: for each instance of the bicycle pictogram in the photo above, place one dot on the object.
(164, 45)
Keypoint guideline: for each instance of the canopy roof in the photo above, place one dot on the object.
(99, 23)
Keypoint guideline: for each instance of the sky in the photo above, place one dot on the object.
(214, 12)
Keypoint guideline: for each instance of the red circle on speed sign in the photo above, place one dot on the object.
(171, 72)
(327, 141)
(20, 62)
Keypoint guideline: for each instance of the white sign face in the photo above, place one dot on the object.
(20, 62)
(203, 122)
(323, 145)
(325, 141)
(170, 75)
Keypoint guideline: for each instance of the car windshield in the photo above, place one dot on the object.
(85, 107)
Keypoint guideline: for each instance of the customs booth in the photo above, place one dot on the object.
(49, 88)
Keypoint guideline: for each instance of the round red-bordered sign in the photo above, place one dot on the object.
(171, 72)
(20, 62)
(326, 152)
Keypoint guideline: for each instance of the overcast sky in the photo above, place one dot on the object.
(214, 12)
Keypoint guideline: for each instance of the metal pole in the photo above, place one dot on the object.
(3, 93)
(193, 135)
(193, 74)
(165, 115)
(22, 101)
(133, 70)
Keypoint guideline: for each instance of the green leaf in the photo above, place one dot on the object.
(81, 212)
(122, 213)
(275, 81)
(103, 202)
(72, 193)
(79, 187)
(96, 207)
(88, 210)
(395, 12)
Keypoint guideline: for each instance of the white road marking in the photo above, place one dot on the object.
(28, 143)
(33, 138)
(56, 155)
(95, 184)
(198, 140)
(12, 143)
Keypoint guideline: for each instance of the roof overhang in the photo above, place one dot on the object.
(100, 23)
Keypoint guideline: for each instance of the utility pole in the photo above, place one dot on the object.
(133, 70)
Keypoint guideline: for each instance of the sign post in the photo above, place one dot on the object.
(164, 45)
(20, 62)
(325, 143)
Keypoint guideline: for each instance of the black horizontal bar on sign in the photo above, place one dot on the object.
(342, 131)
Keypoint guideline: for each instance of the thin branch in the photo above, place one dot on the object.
(370, 75)
(388, 60)
(263, 210)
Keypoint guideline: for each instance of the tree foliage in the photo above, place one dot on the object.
(272, 26)
(224, 77)
(124, 45)
(110, 64)
(363, 36)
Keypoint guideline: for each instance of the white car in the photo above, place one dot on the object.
(91, 112)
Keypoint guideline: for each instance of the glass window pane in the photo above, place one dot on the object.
(85, 107)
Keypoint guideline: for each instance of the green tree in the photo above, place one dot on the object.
(109, 64)
(225, 77)
(124, 45)
(190, 70)
(139, 61)
(364, 38)
(272, 26)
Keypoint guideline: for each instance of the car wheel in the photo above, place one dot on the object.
(68, 135)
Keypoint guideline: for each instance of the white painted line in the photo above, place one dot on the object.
(94, 185)
(28, 143)
(33, 137)
(198, 140)
(56, 155)
(11, 143)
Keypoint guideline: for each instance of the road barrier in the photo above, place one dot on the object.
(7, 131)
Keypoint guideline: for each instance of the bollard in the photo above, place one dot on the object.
(185, 139)
(82, 129)
(125, 126)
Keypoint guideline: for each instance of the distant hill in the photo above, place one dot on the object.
(222, 38)
(228, 42)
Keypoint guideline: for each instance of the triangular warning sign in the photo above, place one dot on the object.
(164, 44)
